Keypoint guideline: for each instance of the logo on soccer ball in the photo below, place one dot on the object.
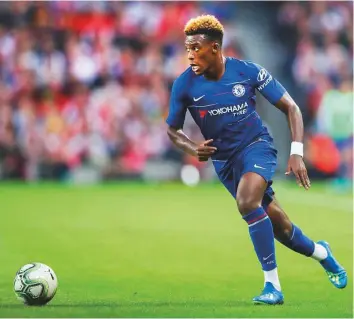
(262, 74)
(238, 90)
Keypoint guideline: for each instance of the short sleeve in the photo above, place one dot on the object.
(178, 108)
(266, 84)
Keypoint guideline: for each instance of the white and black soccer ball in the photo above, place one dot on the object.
(35, 284)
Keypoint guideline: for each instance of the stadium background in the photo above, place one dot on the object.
(84, 90)
(85, 86)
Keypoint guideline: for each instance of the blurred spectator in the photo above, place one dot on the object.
(323, 69)
(87, 83)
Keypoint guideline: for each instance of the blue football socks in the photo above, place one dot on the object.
(299, 242)
(261, 232)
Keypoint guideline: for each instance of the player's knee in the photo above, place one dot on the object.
(246, 204)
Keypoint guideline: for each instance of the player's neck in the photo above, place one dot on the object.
(217, 70)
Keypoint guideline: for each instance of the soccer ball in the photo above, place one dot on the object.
(35, 284)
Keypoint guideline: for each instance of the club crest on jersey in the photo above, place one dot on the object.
(238, 90)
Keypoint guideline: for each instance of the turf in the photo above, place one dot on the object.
(134, 250)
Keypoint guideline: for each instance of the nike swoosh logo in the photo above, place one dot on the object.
(256, 166)
(197, 99)
(265, 258)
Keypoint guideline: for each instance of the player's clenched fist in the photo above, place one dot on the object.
(203, 151)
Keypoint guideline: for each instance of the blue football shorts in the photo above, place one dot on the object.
(259, 157)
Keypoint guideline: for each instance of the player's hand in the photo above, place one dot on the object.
(297, 166)
(203, 151)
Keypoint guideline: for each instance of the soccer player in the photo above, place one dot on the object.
(219, 93)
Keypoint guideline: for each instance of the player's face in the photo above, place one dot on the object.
(200, 53)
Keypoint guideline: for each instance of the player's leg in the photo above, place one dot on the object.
(289, 234)
(292, 237)
(250, 192)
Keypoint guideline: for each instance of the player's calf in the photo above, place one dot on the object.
(292, 236)
(297, 241)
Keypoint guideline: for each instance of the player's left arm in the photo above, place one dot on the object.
(276, 94)
(295, 164)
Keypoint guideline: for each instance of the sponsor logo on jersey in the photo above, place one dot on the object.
(238, 90)
(262, 74)
(202, 113)
(262, 86)
(238, 109)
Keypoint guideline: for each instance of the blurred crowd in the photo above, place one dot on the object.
(88, 82)
(321, 64)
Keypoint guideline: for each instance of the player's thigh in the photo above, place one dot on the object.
(252, 188)
(250, 192)
(258, 167)
(260, 158)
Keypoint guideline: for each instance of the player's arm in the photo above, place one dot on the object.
(276, 94)
(175, 121)
(295, 164)
(202, 151)
(181, 140)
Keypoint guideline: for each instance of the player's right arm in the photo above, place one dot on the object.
(175, 120)
(276, 94)
(202, 151)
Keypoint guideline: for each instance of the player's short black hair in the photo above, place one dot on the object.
(207, 25)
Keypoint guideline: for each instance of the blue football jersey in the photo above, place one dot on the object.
(225, 110)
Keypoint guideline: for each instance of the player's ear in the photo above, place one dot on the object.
(216, 47)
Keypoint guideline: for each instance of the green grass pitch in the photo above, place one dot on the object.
(134, 250)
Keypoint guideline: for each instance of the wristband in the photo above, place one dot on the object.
(297, 148)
